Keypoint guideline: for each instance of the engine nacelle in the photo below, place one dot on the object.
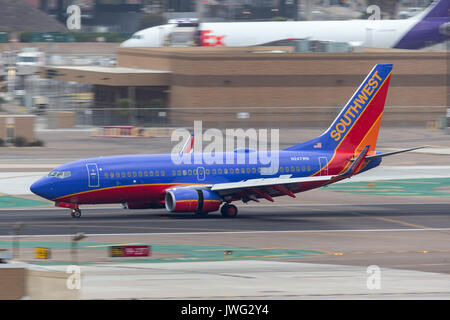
(191, 200)
(445, 29)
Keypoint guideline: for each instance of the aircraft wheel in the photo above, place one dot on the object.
(76, 213)
(229, 211)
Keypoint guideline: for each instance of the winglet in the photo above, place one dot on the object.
(357, 164)
(189, 145)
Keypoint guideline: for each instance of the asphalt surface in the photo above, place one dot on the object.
(408, 236)
(277, 217)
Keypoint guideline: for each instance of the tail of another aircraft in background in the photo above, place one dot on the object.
(358, 123)
(433, 26)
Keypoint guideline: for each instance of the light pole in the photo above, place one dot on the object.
(79, 236)
(16, 245)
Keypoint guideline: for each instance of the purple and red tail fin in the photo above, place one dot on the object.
(358, 123)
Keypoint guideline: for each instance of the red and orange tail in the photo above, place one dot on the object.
(359, 122)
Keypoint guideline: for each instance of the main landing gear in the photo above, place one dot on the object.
(76, 213)
(229, 210)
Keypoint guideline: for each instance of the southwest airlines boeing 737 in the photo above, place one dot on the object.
(428, 28)
(346, 148)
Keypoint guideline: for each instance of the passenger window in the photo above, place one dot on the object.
(309, 168)
(253, 170)
(145, 173)
(157, 173)
(111, 174)
(106, 175)
(190, 172)
(281, 169)
(214, 171)
(184, 172)
(134, 174)
(140, 173)
(163, 173)
(297, 169)
(179, 172)
(174, 173)
(287, 169)
(303, 168)
(123, 174)
(219, 171)
(231, 170)
(225, 171)
(117, 174)
(151, 173)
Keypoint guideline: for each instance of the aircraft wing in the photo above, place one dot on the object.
(267, 182)
(253, 189)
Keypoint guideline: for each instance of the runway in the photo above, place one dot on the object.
(412, 236)
(276, 217)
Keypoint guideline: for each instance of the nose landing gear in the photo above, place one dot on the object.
(76, 213)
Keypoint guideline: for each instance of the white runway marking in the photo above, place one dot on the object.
(236, 232)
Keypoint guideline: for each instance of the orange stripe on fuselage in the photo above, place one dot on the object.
(138, 192)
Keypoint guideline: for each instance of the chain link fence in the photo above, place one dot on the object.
(233, 117)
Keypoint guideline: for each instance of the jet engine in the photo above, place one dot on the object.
(192, 200)
(445, 29)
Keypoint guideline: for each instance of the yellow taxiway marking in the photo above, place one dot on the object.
(114, 244)
(386, 252)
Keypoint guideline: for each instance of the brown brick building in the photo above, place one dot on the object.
(267, 85)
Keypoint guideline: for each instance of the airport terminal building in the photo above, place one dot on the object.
(260, 86)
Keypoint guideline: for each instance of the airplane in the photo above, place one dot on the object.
(143, 181)
(427, 28)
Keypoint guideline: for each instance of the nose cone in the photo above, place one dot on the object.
(129, 43)
(43, 188)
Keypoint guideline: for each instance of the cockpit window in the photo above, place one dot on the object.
(59, 174)
(136, 36)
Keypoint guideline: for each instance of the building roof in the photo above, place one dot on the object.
(110, 76)
(19, 15)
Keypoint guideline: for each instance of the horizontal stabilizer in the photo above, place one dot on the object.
(394, 152)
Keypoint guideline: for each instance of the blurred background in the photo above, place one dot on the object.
(83, 78)
(76, 75)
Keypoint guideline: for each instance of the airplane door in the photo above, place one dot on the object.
(323, 164)
(93, 178)
(200, 173)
